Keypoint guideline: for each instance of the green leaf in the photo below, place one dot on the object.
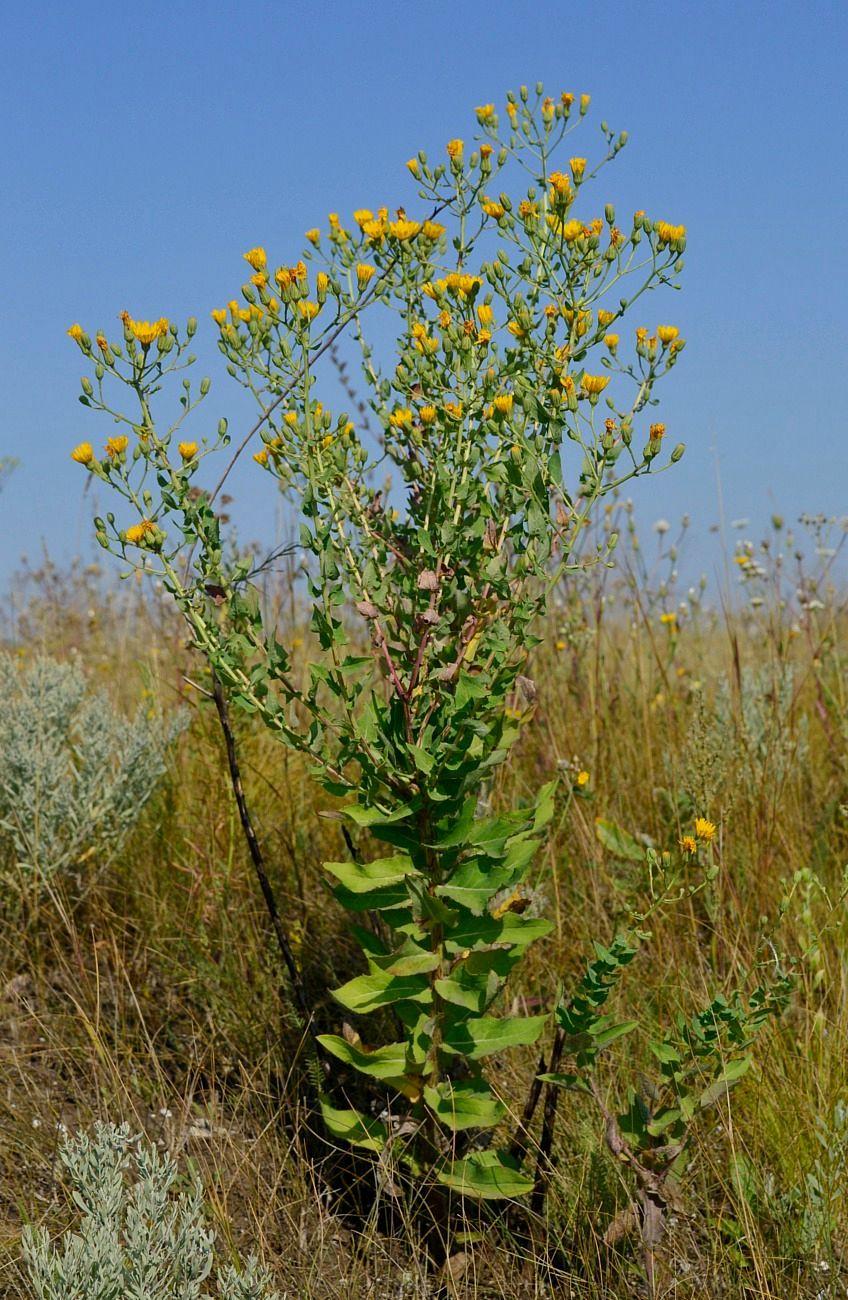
(423, 760)
(368, 992)
(378, 816)
(603, 1036)
(730, 1075)
(465, 1103)
(363, 877)
(488, 1034)
(512, 928)
(618, 841)
(354, 1128)
(409, 959)
(486, 1175)
(464, 989)
(381, 1063)
(378, 900)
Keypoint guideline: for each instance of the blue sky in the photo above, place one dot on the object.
(146, 146)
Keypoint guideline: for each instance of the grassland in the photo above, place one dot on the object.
(147, 987)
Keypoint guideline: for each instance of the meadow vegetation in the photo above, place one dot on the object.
(457, 900)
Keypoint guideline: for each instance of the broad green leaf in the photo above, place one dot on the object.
(719, 1088)
(545, 804)
(353, 1127)
(409, 959)
(486, 1175)
(488, 1034)
(378, 816)
(665, 1053)
(422, 759)
(603, 1035)
(382, 1063)
(618, 841)
(464, 989)
(465, 1103)
(362, 877)
(483, 931)
(379, 989)
(377, 900)
(458, 831)
(664, 1120)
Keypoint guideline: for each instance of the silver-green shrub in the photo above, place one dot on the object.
(138, 1238)
(74, 772)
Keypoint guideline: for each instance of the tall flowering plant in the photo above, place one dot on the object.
(514, 402)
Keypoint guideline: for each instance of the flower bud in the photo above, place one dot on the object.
(609, 214)
(222, 426)
(205, 385)
(191, 326)
(86, 386)
(678, 452)
(99, 371)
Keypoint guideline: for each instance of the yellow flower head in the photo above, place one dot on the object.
(585, 101)
(669, 234)
(611, 341)
(605, 317)
(560, 185)
(485, 314)
(290, 418)
(669, 619)
(219, 315)
(327, 440)
(116, 446)
(322, 281)
(260, 279)
(375, 230)
(146, 331)
(102, 342)
(414, 166)
(308, 310)
(427, 414)
(444, 319)
(493, 209)
(256, 258)
(261, 457)
(566, 99)
(403, 229)
(188, 450)
(705, 830)
(401, 417)
(656, 431)
(454, 410)
(516, 329)
(582, 779)
(594, 384)
(485, 113)
(667, 333)
(486, 151)
(77, 333)
(432, 230)
(364, 273)
(569, 230)
(314, 236)
(455, 148)
(83, 454)
(689, 844)
(362, 215)
(503, 403)
(578, 167)
(137, 534)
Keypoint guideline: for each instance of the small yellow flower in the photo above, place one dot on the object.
(427, 414)
(432, 230)
(486, 151)
(322, 281)
(116, 446)
(667, 333)
(188, 450)
(669, 234)
(578, 167)
(503, 403)
(83, 454)
(669, 619)
(704, 829)
(455, 148)
(375, 230)
(656, 431)
(444, 319)
(77, 333)
(256, 258)
(515, 450)
(641, 334)
(362, 215)
(308, 310)
(611, 341)
(327, 440)
(454, 410)
(493, 209)
(137, 534)
(484, 336)
(485, 314)
(364, 273)
(560, 645)
(528, 211)
(403, 229)
(219, 315)
(560, 185)
(582, 779)
(688, 844)
(261, 457)
(594, 385)
(567, 99)
(146, 331)
(290, 418)
(605, 317)
(314, 236)
(569, 230)
(516, 330)
(414, 166)
(485, 113)
(102, 342)
(401, 417)
(585, 101)
(260, 279)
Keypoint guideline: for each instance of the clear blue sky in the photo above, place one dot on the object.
(146, 146)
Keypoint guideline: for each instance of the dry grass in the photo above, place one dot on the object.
(158, 997)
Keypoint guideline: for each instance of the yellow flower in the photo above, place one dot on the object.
(327, 440)
(308, 310)
(454, 148)
(560, 645)
(611, 341)
(444, 319)
(705, 830)
(116, 446)
(188, 450)
(605, 317)
(427, 414)
(454, 410)
(260, 279)
(147, 332)
(667, 333)
(493, 209)
(432, 230)
(669, 619)
(322, 281)
(528, 211)
(585, 101)
(582, 778)
(219, 315)
(688, 844)
(136, 534)
(102, 342)
(261, 457)
(314, 236)
(486, 151)
(403, 229)
(641, 334)
(515, 450)
(290, 418)
(656, 431)
(567, 99)
(485, 314)
(413, 166)
(484, 336)
(594, 385)
(375, 230)
(364, 272)
(83, 454)
(485, 112)
(256, 258)
(569, 230)
(516, 330)
(560, 185)
(401, 417)
(77, 333)
(668, 234)
(503, 403)
(362, 215)
(578, 167)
